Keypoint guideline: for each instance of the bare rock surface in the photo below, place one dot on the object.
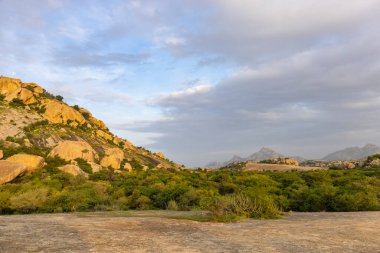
(73, 170)
(70, 150)
(113, 158)
(153, 231)
(10, 170)
(58, 112)
(32, 162)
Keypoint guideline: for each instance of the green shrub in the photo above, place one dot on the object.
(29, 201)
(236, 206)
(16, 102)
(59, 98)
(83, 164)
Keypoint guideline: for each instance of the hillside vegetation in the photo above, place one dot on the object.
(59, 158)
(228, 195)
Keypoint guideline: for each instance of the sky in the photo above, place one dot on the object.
(204, 80)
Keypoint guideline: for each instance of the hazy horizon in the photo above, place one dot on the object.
(201, 81)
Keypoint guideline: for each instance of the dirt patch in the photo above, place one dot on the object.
(154, 232)
(279, 167)
(12, 121)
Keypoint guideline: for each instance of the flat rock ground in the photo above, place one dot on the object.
(161, 232)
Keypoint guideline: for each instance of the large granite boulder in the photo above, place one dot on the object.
(13, 88)
(9, 87)
(73, 170)
(32, 162)
(70, 150)
(60, 113)
(10, 170)
(113, 158)
(27, 96)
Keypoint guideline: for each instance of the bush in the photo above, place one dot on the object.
(236, 206)
(83, 164)
(16, 102)
(229, 195)
(172, 205)
(59, 98)
(29, 201)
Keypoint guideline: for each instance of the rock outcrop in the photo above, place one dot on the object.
(70, 150)
(73, 170)
(113, 158)
(60, 113)
(128, 166)
(1, 154)
(31, 162)
(92, 119)
(34, 87)
(10, 170)
(284, 161)
(13, 88)
(160, 155)
(10, 87)
(104, 135)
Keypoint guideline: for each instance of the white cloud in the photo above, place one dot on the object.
(195, 90)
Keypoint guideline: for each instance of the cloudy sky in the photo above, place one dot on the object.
(203, 80)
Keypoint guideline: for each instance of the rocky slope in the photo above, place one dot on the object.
(353, 153)
(34, 122)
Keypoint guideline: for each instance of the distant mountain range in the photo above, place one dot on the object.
(263, 154)
(351, 153)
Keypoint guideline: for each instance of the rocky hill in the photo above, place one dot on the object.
(38, 128)
(353, 153)
(263, 154)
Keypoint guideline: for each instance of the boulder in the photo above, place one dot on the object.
(73, 170)
(1, 154)
(95, 167)
(10, 170)
(93, 120)
(113, 158)
(27, 96)
(104, 135)
(160, 155)
(120, 141)
(9, 144)
(32, 162)
(128, 166)
(160, 166)
(35, 87)
(27, 143)
(70, 150)
(9, 87)
(375, 162)
(60, 113)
